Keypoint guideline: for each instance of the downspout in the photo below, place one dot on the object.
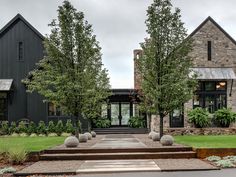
(232, 82)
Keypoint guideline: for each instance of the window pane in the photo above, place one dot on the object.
(221, 101)
(221, 85)
(209, 103)
(51, 109)
(197, 101)
(209, 86)
(104, 110)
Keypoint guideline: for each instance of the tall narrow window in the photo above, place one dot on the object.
(209, 50)
(20, 51)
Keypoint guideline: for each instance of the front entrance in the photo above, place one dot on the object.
(120, 114)
(3, 106)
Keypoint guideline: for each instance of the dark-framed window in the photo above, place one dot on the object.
(54, 110)
(20, 51)
(177, 118)
(209, 50)
(212, 95)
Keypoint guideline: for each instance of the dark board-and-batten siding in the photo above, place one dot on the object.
(23, 105)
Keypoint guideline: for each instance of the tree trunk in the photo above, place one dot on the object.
(78, 117)
(161, 124)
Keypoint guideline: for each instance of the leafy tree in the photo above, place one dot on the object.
(165, 63)
(71, 74)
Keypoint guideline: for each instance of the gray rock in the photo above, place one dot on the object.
(83, 138)
(71, 141)
(167, 140)
(93, 133)
(150, 134)
(88, 135)
(155, 136)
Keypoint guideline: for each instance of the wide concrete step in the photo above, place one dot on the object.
(114, 156)
(121, 130)
(117, 150)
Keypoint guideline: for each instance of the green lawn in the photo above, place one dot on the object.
(219, 141)
(30, 143)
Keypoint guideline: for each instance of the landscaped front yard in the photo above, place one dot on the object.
(30, 143)
(203, 141)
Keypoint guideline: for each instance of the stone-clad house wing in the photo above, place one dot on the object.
(210, 19)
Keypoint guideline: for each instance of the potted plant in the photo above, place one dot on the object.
(224, 117)
(199, 117)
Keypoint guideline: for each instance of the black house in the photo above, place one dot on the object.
(21, 48)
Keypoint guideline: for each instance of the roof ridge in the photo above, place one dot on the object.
(19, 16)
(209, 18)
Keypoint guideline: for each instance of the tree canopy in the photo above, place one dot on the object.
(71, 74)
(165, 63)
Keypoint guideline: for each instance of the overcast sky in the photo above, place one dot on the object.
(119, 24)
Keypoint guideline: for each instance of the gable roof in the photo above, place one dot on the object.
(216, 24)
(15, 19)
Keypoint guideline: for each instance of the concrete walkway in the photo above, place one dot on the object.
(104, 166)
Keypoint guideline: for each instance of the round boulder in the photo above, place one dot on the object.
(83, 138)
(167, 140)
(156, 136)
(71, 141)
(88, 135)
(150, 134)
(93, 133)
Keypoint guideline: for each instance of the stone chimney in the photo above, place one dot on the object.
(137, 78)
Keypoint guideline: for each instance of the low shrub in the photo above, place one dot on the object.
(51, 127)
(14, 134)
(7, 170)
(199, 117)
(59, 128)
(13, 128)
(64, 134)
(224, 117)
(33, 135)
(41, 129)
(16, 155)
(41, 135)
(213, 158)
(136, 122)
(102, 123)
(52, 135)
(224, 163)
(23, 134)
(22, 128)
(4, 127)
(69, 127)
(32, 128)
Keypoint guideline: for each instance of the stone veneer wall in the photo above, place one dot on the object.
(223, 55)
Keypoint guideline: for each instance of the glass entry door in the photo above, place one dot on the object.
(120, 114)
(115, 114)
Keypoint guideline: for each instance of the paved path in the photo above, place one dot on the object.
(101, 166)
(119, 141)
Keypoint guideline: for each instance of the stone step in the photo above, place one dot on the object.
(114, 156)
(120, 130)
(116, 150)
